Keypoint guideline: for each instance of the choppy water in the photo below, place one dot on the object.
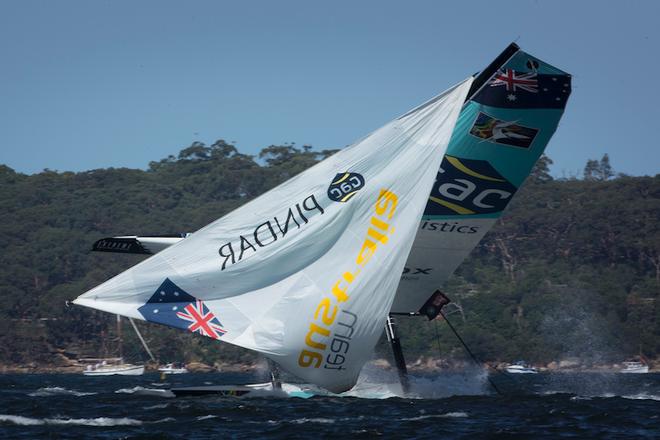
(448, 406)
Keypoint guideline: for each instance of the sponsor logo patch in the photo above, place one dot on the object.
(502, 132)
(269, 231)
(453, 227)
(433, 306)
(344, 186)
(417, 271)
(468, 187)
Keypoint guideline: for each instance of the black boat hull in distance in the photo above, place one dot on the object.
(136, 244)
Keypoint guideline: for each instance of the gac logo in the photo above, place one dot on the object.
(344, 186)
(466, 186)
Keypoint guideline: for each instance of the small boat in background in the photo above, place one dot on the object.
(114, 366)
(520, 367)
(634, 367)
(173, 368)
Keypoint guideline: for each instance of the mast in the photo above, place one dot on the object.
(119, 339)
(275, 379)
(430, 309)
(399, 360)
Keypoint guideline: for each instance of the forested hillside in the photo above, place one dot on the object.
(571, 270)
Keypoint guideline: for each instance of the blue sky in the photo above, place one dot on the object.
(94, 84)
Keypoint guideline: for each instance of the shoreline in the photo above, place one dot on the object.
(424, 366)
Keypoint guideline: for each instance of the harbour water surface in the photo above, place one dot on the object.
(445, 406)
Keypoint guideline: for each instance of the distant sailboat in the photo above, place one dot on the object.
(634, 367)
(310, 272)
(114, 366)
(520, 367)
(173, 368)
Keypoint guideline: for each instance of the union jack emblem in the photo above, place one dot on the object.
(513, 82)
(201, 320)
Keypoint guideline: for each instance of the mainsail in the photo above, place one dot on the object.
(306, 273)
(512, 111)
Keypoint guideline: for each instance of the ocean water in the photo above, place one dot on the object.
(441, 406)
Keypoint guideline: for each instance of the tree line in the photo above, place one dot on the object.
(571, 269)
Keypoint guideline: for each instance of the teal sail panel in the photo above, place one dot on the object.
(512, 111)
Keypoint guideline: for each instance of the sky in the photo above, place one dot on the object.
(96, 84)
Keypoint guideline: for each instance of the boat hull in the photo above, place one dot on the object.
(172, 370)
(636, 370)
(134, 370)
(521, 370)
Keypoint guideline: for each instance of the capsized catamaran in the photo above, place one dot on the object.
(308, 273)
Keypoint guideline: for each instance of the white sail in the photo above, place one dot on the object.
(307, 272)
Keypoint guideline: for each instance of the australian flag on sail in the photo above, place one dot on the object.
(172, 306)
(510, 88)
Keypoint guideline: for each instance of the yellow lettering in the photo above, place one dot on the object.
(325, 304)
(348, 277)
(389, 198)
(367, 251)
(377, 235)
(313, 328)
(339, 293)
(379, 224)
(386, 205)
(307, 357)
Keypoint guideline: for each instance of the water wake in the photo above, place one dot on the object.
(375, 383)
(98, 421)
(142, 391)
(449, 415)
(58, 391)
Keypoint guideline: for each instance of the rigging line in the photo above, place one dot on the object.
(474, 358)
(144, 343)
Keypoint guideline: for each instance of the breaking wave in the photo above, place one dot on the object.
(642, 396)
(58, 391)
(305, 420)
(375, 383)
(449, 415)
(210, 416)
(98, 421)
(142, 391)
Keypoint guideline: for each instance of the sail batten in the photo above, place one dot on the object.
(307, 272)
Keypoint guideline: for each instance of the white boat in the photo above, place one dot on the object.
(114, 366)
(634, 367)
(520, 368)
(172, 368)
(106, 368)
(310, 272)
